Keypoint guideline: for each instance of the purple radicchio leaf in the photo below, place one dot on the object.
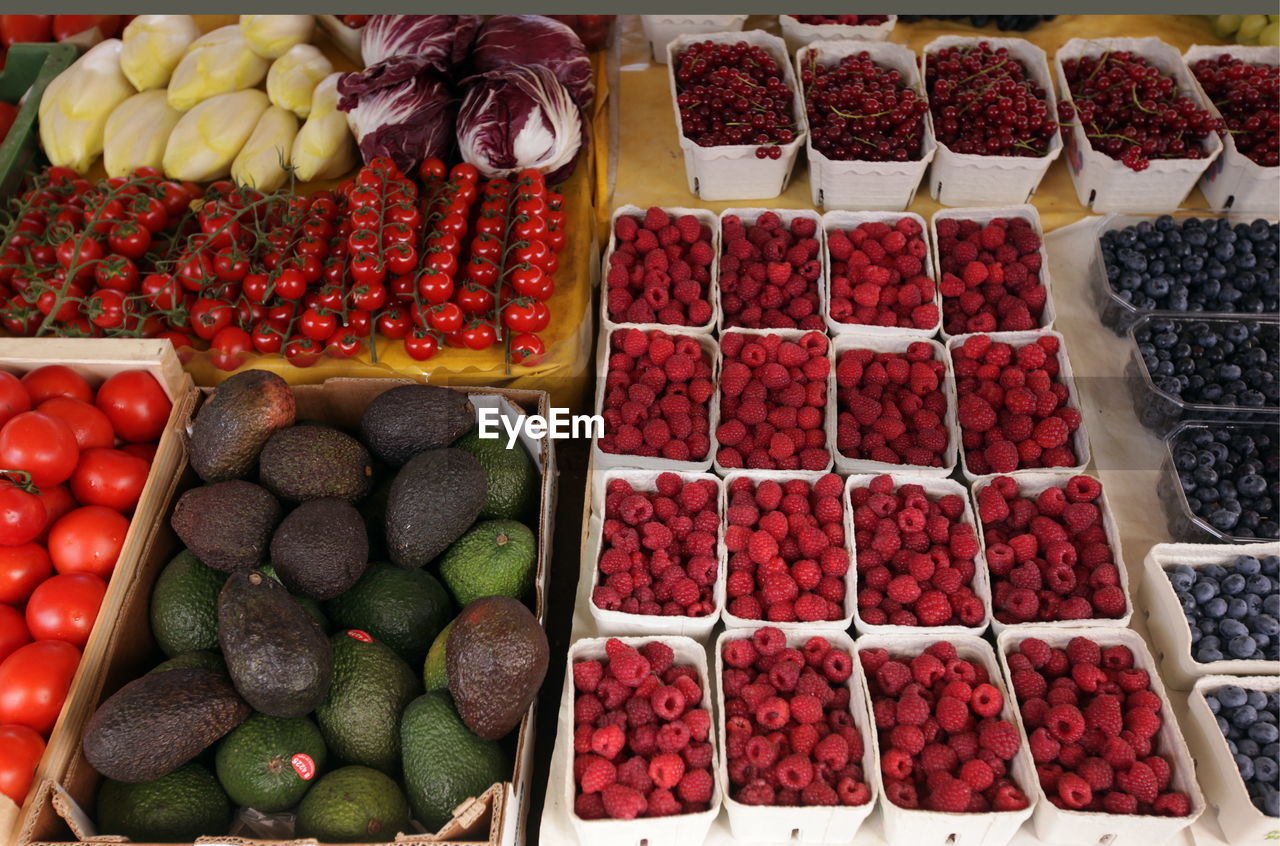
(442, 41)
(407, 121)
(506, 40)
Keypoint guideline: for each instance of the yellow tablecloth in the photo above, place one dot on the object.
(650, 166)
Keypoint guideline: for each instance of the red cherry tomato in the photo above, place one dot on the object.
(527, 349)
(89, 425)
(229, 347)
(65, 26)
(317, 325)
(14, 398)
(34, 682)
(25, 29)
(302, 352)
(446, 318)
(43, 446)
(88, 540)
(65, 608)
(421, 345)
(474, 300)
(434, 287)
(135, 404)
(109, 477)
(13, 631)
(209, 316)
(56, 380)
(21, 748)
(478, 336)
(393, 324)
(130, 240)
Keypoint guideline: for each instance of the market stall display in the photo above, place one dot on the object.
(845, 440)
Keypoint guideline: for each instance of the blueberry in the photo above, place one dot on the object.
(1265, 768)
(1237, 608)
(1256, 698)
(1206, 655)
(1265, 624)
(1232, 584)
(1232, 696)
(1246, 565)
(1215, 608)
(1246, 745)
(1259, 584)
(1204, 590)
(1270, 803)
(1229, 628)
(1243, 647)
(1214, 704)
(1261, 732)
(1245, 764)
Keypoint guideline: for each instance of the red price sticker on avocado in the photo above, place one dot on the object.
(356, 634)
(304, 766)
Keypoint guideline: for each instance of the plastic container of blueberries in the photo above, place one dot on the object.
(660, 30)
(1170, 632)
(676, 830)
(732, 171)
(1160, 411)
(968, 179)
(1242, 822)
(616, 623)
(809, 824)
(1184, 524)
(1234, 181)
(1062, 825)
(1118, 314)
(922, 827)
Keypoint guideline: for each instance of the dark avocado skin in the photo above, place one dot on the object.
(407, 420)
(155, 724)
(496, 659)
(434, 499)
(232, 425)
(321, 548)
(302, 463)
(227, 525)
(278, 658)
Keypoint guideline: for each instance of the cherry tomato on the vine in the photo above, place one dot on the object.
(129, 240)
(474, 300)
(478, 336)
(393, 324)
(421, 344)
(290, 284)
(229, 348)
(209, 316)
(267, 339)
(527, 349)
(434, 286)
(531, 316)
(302, 352)
(118, 273)
(446, 318)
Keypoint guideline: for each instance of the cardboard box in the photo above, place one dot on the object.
(63, 802)
(96, 360)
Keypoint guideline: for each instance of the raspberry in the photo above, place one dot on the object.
(951, 795)
(794, 772)
(1172, 805)
(1083, 489)
(1139, 781)
(1000, 737)
(623, 803)
(666, 770)
(975, 413)
(597, 775)
(1116, 802)
(1065, 723)
(696, 786)
(1074, 791)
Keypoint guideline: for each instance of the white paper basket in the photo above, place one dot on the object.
(1105, 184)
(907, 827)
(749, 216)
(659, 30)
(1234, 181)
(1170, 632)
(847, 221)
(732, 171)
(966, 179)
(1092, 828)
(713, 295)
(817, 824)
(935, 487)
(1079, 438)
(799, 34)
(1030, 484)
(884, 343)
(619, 623)
(864, 185)
(679, 830)
(984, 215)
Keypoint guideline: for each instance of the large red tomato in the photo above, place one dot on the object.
(88, 540)
(13, 397)
(22, 514)
(22, 568)
(34, 682)
(90, 426)
(44, 446)
(13, 631)
(65, 607)
(20, 751)
(136, 405)
(56, 380)
(109, 477)
(57, 501)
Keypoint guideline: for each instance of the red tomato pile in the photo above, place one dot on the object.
(72, 467)
(243, 272)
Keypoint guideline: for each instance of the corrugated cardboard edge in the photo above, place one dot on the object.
(503, 806)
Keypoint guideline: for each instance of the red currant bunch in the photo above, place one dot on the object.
(843, 20)
(985, 104)
(861, 111)
(1132, 112)
(734, 94)
(1248, 96)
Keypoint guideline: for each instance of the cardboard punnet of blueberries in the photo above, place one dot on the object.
(1233, 609)
(1169, 266)
(1227, 485)
(1250, 722)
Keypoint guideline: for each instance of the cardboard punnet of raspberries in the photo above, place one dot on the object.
(657, 399)
(991, 271)
(1049, 551)
(660, 267)
(881, 274)
(1098, 725)
(771, 270)
(1017, 405)
(917, 564)
(795, 725)
(945, 736)
(660, 545)
(641, 728)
